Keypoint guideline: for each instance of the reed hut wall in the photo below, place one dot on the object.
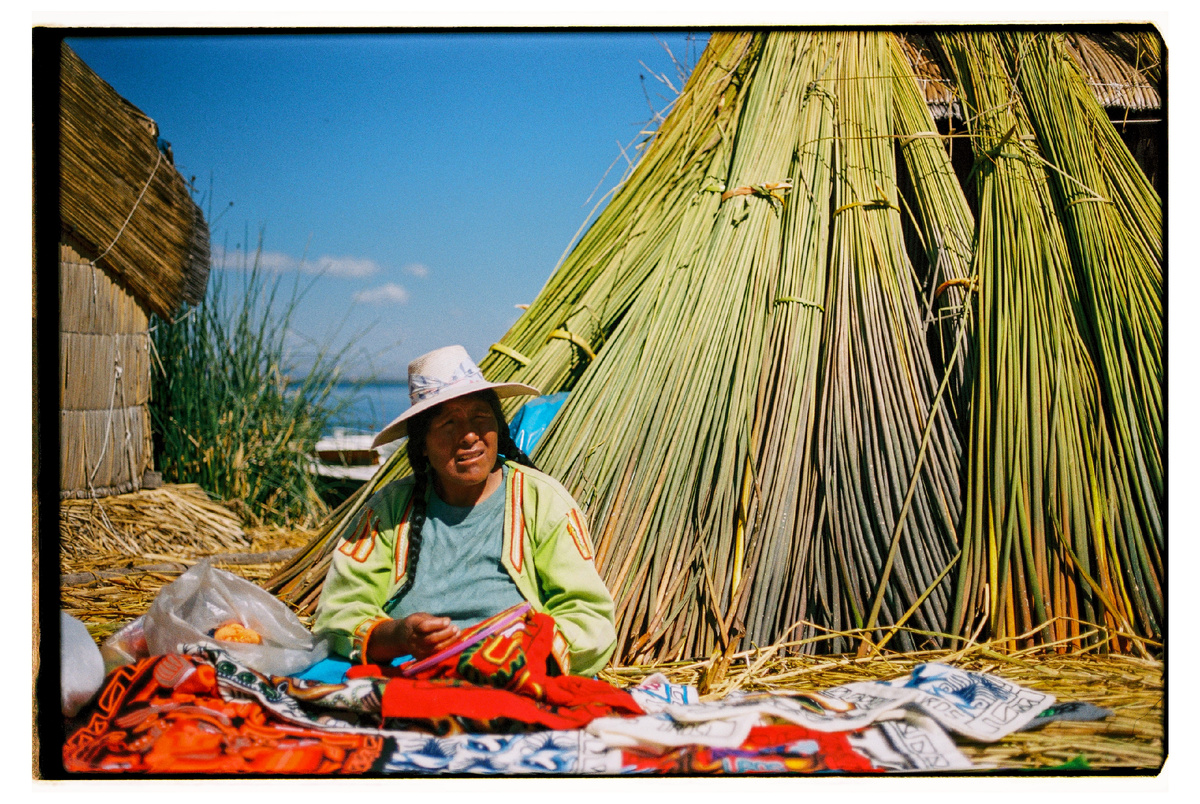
(104, 381)
(133, 243)
(121, 199)
(1123, 69)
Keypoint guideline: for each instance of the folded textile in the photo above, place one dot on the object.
(766, 749)
(663, 731)
(654, 693)
(502, 684)
(979, 706)
(544, 752)
(915, 743)
(165, 714)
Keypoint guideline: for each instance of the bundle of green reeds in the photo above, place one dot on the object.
(816, 395)
(942, 224)
(786, 460)
(1063, 509)
(122, 197)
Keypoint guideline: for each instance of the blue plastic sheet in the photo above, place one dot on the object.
(532, 420)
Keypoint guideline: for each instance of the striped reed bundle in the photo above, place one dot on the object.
(887, 453)
(941, 218)
(122, 197)
(1120, 287)
(742, 440)
(1048, 530)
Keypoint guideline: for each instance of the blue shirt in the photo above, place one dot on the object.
(458, 573)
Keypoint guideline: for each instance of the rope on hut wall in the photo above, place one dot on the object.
(136, 204)
(104, 382)
(105, 144)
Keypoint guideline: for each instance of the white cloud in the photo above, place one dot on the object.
(343, 266)
(278, 262)
(275, 261)
(391, 293)
(417, 269)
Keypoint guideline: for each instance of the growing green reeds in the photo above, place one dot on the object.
(228, 412)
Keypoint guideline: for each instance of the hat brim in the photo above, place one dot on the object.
(398, 428)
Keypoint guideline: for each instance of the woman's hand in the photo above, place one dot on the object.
(419, 634)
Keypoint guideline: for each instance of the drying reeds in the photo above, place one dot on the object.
(943, 225)
(818, 388)
(180, 520)
(121, 198)
(1054, 530)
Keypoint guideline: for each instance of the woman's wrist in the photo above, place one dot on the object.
(386, 642)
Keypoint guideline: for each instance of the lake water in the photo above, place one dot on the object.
(371, 406)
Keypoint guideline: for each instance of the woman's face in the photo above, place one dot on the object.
(462, 446)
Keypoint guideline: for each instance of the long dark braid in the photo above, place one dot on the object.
(507, 447)
(418, 429)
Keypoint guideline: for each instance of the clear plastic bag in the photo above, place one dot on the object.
(126, 646)
(205, 598)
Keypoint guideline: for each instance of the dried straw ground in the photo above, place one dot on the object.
(107, 588)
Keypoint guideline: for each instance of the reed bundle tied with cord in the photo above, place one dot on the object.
(843, 394)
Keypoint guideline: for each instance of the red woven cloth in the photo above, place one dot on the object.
(165, 715)
(502, 684)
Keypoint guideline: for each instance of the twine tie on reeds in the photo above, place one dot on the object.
(513, 353)
(800, 301)
(583, 345)
(129, 217)
(769, 191)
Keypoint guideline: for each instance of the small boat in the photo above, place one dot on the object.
(348, 455)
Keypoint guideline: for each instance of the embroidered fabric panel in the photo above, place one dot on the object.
(165, 714)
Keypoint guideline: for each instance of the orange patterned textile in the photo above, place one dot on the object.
(165, 715)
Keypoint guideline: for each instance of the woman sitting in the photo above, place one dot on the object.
(469, 535)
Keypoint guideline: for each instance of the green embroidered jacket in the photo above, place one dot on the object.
(547, 551)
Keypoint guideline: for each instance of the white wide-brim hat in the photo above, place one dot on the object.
(441, 375)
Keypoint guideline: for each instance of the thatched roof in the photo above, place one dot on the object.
(123, 204)
(1122, 68)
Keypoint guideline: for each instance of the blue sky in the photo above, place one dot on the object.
(419, 184)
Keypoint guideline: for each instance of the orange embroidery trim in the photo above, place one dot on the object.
(579, 534)
(361, 543)
(358, 640)
(401, 550)
(516, 550)
(366, 639)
